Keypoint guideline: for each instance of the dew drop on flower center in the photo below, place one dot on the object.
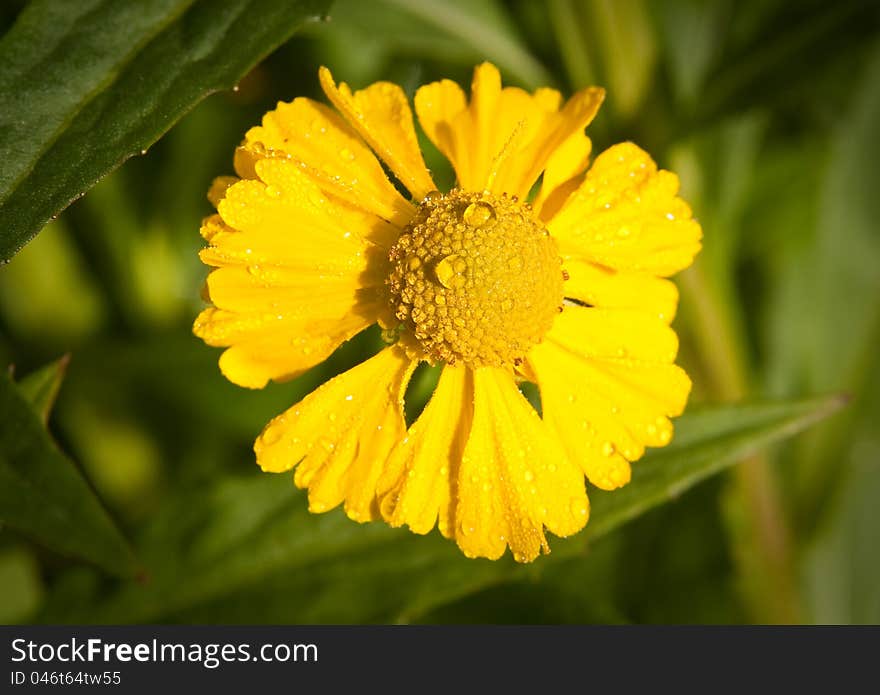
(475, 279)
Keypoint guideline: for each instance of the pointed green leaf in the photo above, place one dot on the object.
(43, 495)
(86, 85)
(250, 551)
(41, 387)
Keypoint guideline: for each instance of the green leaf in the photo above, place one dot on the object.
(86, 85)
(211, 552)
(41, 387)
(44, 496)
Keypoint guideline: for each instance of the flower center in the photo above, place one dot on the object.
(474, 279)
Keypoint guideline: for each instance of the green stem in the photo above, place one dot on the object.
(763, 540)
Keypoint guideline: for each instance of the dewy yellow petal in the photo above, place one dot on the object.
(515, 478)
(277, 244)
(437, 105)
(626, 215)
(330, 152)
(550, 131)
(481, 126)
(503, 138)
(381, 114)
(611, 289)
(264, 346)
(614, 333)
(561, 174)
(417, 487)
(591, 433)
(339, 437)
(608, 399)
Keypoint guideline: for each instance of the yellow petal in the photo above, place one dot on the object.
(213, 225)
(515, 478)
(479, 122)
(610, 289)
(603, 407)
(562, 175)
(271, 346)
(504, 138)
(330, 152)
(416, 488)
(381, 114)
(614, 333)
(551, 130)
(287, 290)
(339, 436)
(278, 243)
(437, 106)
(626, 215)
(217, 191)
(284, 204)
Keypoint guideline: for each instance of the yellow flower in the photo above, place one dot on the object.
(312, 244)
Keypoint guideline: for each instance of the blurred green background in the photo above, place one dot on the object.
(769, 112)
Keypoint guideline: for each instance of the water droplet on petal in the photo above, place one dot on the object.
(529, 476)
(608, 449)
(578, 507)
